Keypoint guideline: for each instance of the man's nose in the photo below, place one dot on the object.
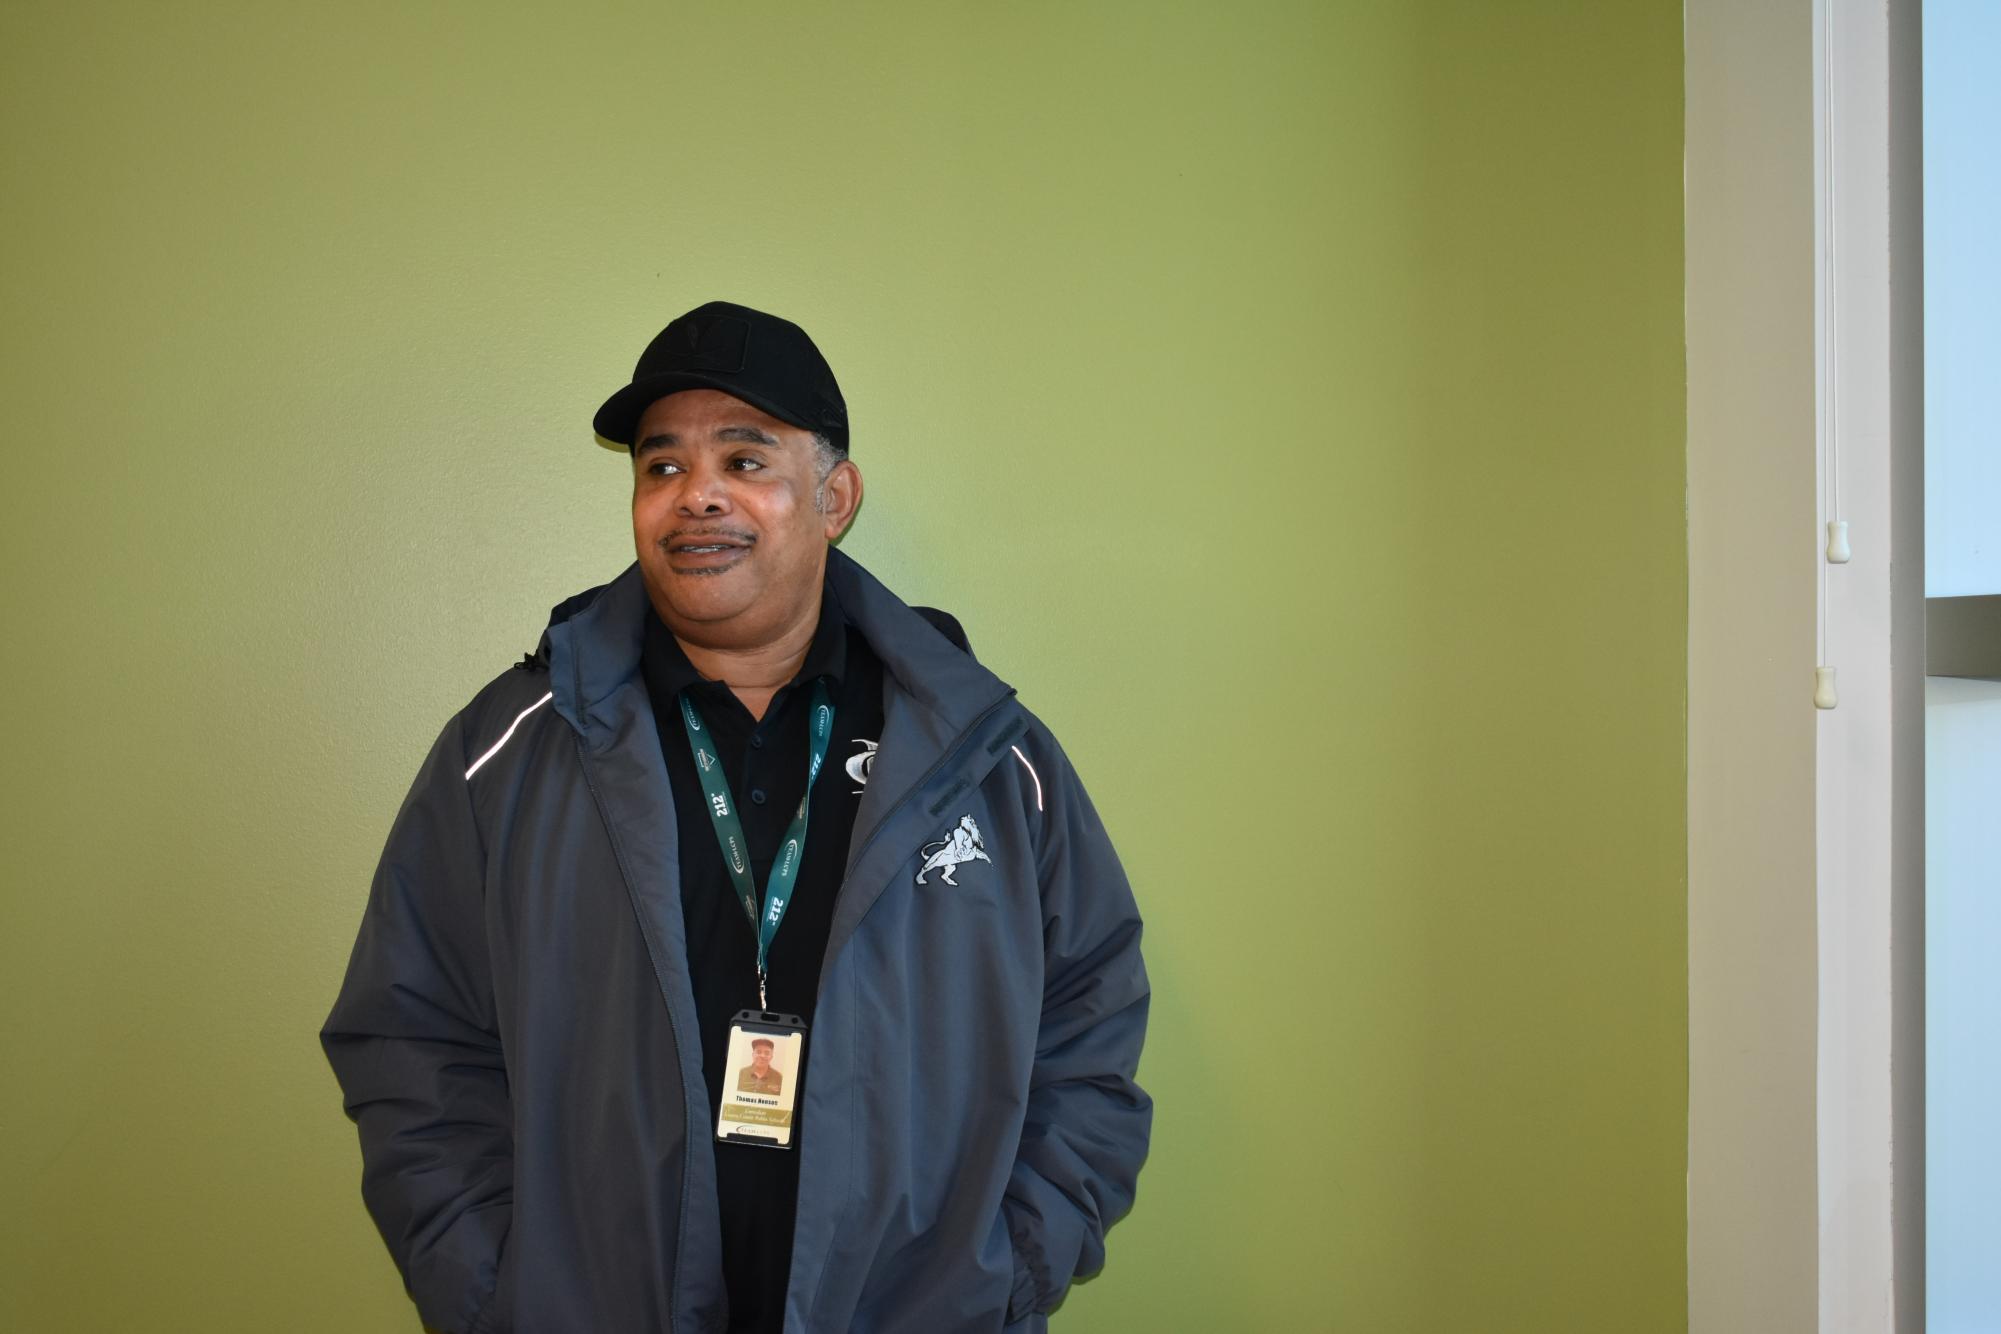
(707, 492)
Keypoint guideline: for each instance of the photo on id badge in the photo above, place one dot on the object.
(760, 1080)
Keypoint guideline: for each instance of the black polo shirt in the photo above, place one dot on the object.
(765, 762)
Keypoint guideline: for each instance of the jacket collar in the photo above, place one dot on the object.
(931, 669)
(595, 642)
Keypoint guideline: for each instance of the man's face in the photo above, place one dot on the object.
(730, 517)
(760, 1058)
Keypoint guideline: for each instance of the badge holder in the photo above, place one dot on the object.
(761, 1079)
(766, 1049)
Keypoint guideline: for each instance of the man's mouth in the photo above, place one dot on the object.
(706, 552)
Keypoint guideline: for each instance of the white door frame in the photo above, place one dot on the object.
(1805, 826)
(1870, 754)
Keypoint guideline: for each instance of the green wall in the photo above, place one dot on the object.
(1303, 377)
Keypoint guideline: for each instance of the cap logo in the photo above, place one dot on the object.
(700, 343)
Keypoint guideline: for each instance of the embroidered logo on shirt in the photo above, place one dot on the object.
(962, 845)
(859, 763)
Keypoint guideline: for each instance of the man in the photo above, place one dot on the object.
(758, 1076)
(616, 858)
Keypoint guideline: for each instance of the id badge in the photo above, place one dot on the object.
(761, 1078)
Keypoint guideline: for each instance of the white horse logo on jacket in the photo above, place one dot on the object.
(963, 845)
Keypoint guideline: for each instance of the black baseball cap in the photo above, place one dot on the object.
(767, 362)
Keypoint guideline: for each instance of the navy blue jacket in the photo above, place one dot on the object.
(516, 1033)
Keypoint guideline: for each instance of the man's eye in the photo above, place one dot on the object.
(661, 467)
(745, 463)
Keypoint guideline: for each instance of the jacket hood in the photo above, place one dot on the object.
(594, 639)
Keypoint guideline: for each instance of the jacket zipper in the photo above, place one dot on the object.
(950, 754)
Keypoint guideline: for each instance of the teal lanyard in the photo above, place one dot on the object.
(729, 831)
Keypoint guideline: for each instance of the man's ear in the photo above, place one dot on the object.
(843, 491)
